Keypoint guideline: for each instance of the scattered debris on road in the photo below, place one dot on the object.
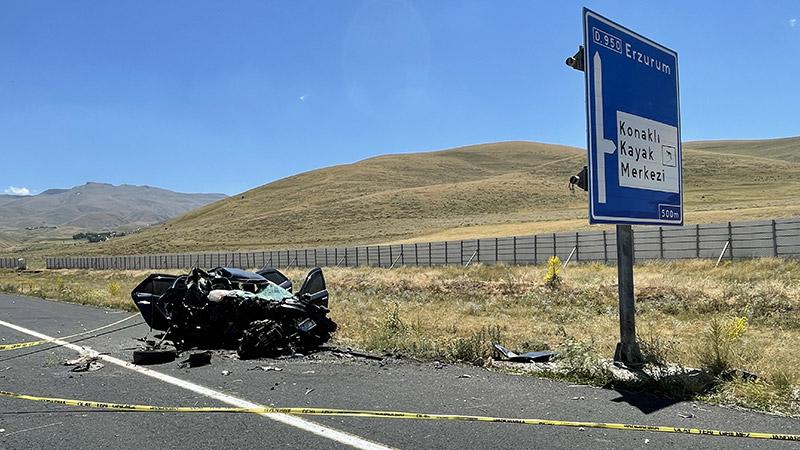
(85, 363)
(355, 353)
(197, 359)
(252, 312)
(266, 368)
(225, 373)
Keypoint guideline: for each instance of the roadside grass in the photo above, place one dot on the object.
(86, 287)
(743, 315)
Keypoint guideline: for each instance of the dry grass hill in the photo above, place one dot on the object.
(482, 190)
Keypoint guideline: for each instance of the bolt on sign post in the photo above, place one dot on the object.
(633, 127)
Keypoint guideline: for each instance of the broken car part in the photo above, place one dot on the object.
(255, 313)
(154, 356)
(197, 359)
(508, 355)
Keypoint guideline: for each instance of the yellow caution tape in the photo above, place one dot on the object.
(19, 345)
(395, 415)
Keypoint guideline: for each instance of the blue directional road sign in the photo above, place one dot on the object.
(633, 113)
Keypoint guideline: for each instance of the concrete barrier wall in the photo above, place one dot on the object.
(765, 238)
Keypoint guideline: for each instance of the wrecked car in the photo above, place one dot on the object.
(255, 313)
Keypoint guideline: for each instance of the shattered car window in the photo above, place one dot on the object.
(274, 292)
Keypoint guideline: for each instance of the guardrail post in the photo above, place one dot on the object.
(515, 249)
(402, 255)
(416, 255)
(774, 239)
(391, 256)
(730, 240)
(461, 251)
(697, 235)
(445, 253)
(478, 249)
(577, 247)
(496, 251)
(379, 256)
(605, 247)
(661, 242)
(430, 255)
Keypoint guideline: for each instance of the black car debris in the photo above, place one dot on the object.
(255, 313)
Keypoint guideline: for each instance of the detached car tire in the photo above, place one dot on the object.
(154, 356)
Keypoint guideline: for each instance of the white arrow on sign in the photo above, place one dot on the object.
(603, 145)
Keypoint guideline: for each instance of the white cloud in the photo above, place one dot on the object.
(792, 22)
(302, 98)
(13, 190)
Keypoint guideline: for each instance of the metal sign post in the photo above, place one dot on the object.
(635, 155)
(627, 351)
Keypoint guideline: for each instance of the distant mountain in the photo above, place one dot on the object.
(98, 206)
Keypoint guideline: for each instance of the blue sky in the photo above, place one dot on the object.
(208, 96)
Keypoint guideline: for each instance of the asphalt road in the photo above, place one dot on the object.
(321, 380)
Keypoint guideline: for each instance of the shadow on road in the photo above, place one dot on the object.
(646, 403)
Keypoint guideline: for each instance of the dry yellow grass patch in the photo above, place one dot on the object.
(454, 313)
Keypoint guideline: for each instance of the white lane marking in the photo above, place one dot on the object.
(297, 422)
